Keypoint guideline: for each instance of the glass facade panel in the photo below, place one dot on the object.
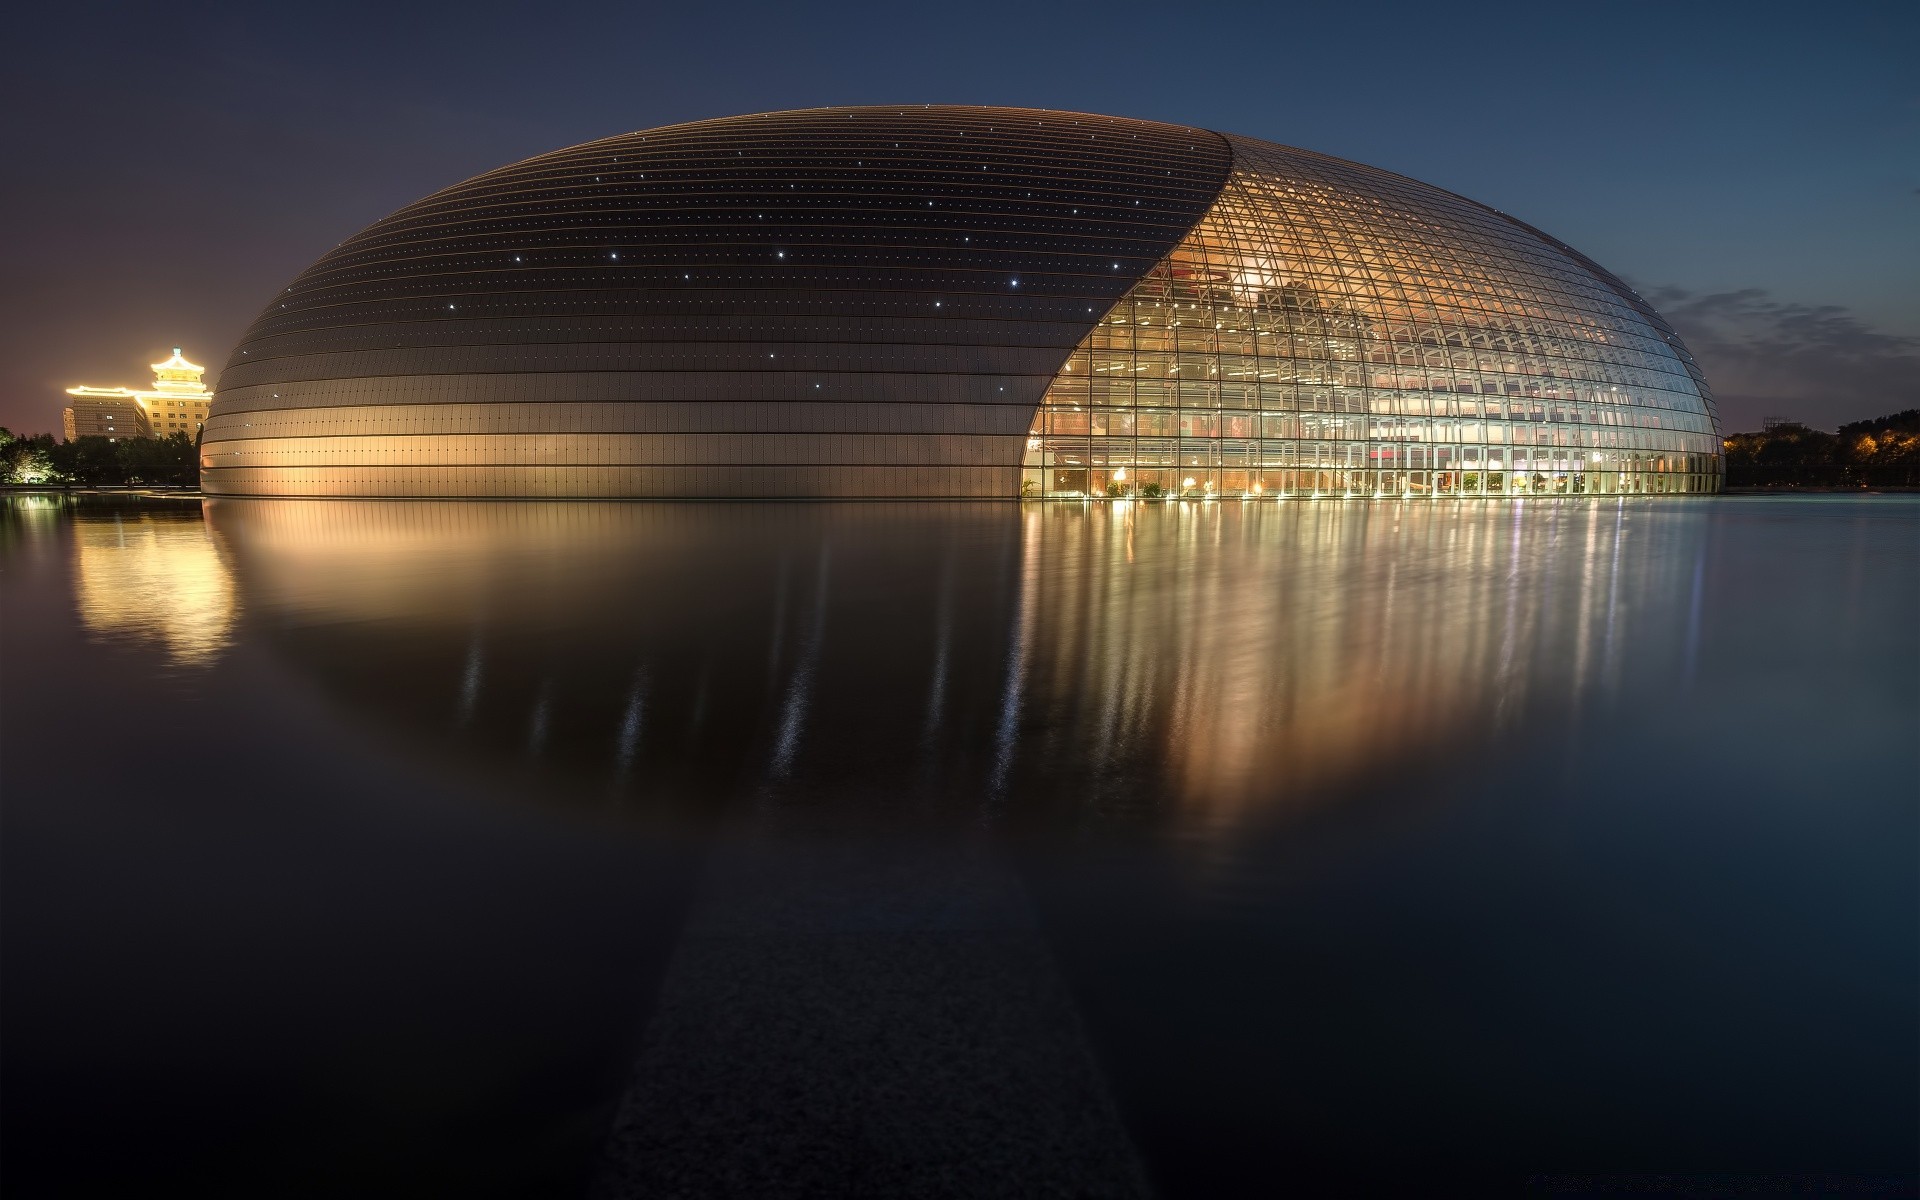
(1393, 339)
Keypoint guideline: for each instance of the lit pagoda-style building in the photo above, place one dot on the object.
(177, 403)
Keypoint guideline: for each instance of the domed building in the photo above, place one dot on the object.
(949, 301)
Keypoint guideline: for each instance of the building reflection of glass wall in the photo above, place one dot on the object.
(1197, 663)
(1254, 660)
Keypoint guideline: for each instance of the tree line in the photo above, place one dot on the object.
(1883, 452)
(173, 460)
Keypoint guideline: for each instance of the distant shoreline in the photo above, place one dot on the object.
(1819, 489)
(155, 492)
(140, 492)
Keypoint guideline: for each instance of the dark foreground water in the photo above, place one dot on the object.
(1328, 849)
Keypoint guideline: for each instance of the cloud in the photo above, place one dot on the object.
(1768, 357)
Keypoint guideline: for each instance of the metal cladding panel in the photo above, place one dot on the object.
(832, 259)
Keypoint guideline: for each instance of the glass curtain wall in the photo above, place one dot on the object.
(1328, 330)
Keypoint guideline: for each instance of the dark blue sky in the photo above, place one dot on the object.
(1754, 169)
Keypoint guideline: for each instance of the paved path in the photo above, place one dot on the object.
(864, 1018)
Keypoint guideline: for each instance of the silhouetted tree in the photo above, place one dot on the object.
(1883, 452)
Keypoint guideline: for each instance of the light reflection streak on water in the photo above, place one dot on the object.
(942, 646)
(1506, 693)
(1609, 655)
(800, 686)
(1582, 645)
(1030, 587)
(630, 723)
(470, 678)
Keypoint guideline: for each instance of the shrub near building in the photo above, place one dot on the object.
(170, 461)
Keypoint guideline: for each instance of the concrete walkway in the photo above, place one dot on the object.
(865, 1018)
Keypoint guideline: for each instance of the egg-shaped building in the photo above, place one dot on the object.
(943, 301)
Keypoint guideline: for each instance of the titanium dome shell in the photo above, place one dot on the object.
(953, 302)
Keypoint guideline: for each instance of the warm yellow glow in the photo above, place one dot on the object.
(1244, 693)
(1328, 335)
(1263, 708)
(176, 403)
(177, 367)
(154, 578)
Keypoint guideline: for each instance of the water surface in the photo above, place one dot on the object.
(916, 849)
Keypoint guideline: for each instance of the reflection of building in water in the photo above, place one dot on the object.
(1199, 661)
(154, 575)
(176, 403)
(648, 648)
(1243, 656)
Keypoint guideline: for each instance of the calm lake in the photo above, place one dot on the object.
(891, 849)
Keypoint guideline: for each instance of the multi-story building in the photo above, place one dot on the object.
(104, 416)
(176, 403)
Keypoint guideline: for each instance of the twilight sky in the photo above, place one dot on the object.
(1754, 169)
